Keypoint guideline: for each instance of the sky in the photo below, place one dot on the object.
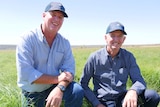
(87, 21)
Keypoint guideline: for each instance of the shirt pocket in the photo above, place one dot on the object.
(58, 59)
(122, 76)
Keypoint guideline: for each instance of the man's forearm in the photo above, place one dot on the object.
(46, 79)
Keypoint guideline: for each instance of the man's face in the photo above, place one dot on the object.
(115, 39)
(53, 20)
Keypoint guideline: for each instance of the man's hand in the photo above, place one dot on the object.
(55, 98)
(65, 76)
(130, 99)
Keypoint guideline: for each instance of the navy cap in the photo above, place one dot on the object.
(115, 26)
(56, 6)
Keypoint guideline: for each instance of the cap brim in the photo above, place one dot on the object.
(64, 14)
(124, 32)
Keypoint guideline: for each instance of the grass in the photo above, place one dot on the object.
(9, 92)
(148, 59)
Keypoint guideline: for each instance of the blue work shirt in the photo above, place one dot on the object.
(110, 75)
(34, 57)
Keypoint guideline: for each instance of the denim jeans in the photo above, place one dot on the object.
(149, 98)
(73, 96)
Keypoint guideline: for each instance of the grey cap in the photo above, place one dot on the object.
(57, 7)
(115, 26)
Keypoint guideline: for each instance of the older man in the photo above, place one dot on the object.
(110, 67)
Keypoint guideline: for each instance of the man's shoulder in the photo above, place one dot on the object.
(31, 33)
(99, 52)
(30, 37)
(59, 36)
(126, 53)
(62, 42)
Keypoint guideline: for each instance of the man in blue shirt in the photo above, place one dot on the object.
(109, 68)
(46, 65)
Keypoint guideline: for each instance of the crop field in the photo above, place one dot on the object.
(148, 59)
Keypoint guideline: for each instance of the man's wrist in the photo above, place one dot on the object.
(61, 87)
(133, 90)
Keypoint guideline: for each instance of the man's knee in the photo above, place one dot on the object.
(74, 95)
(152, 96)
(78, 89)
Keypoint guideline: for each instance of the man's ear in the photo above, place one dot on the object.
(44, 14)
(124, 38)
(105, 36)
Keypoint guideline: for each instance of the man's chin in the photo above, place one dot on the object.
(115, 47)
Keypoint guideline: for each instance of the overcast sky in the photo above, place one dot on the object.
(87, 21)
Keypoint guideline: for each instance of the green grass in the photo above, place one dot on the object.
(148, 59)
(9, 92)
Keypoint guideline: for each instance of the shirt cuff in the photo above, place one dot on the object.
(35, 75)
(138, 87)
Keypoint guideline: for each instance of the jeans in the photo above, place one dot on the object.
(149, 98)
(73, 96)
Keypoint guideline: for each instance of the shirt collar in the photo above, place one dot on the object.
(107, 54)
(41, 35)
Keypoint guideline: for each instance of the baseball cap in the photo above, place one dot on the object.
(115, 26)
(56, 6)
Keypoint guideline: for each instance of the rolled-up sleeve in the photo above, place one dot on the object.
(25, 63)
